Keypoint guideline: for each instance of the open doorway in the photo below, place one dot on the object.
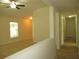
(70, 31)
(68, 48)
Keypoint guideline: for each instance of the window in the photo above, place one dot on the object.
(13, 29)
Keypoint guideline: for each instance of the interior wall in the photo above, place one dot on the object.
(57, 29)
(5, 30)
(26, 29)
(51, 22)
(41, 24)
(78, 30)
(46, 25)
(42, 50)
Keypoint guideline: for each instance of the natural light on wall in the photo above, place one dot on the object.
(13, 29)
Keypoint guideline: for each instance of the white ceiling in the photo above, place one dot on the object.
(31, 5)
(65, 5)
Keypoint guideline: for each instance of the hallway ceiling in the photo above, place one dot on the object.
(65, 5)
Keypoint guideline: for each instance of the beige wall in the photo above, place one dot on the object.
(57, 29)
(41, 24)
(25, 29)
(78, 30)
(62, 25)
(51, 21)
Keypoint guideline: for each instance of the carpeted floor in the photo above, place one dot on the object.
(8, 49)
(68, 52)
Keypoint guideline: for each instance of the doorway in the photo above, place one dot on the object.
(70, 31)
(69, 48)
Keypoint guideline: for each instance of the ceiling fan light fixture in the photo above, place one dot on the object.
(13, 5)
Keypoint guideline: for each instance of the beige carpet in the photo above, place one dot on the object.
(8, 49)
(68, 52)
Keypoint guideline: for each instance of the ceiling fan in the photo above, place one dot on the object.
(13, 4)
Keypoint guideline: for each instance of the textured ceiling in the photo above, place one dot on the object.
(65, 5)
(31, 5)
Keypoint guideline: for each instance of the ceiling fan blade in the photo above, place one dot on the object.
(21, 5)
(17, 7)
(13, 0)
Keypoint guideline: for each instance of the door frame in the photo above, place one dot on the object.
(62, 28)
